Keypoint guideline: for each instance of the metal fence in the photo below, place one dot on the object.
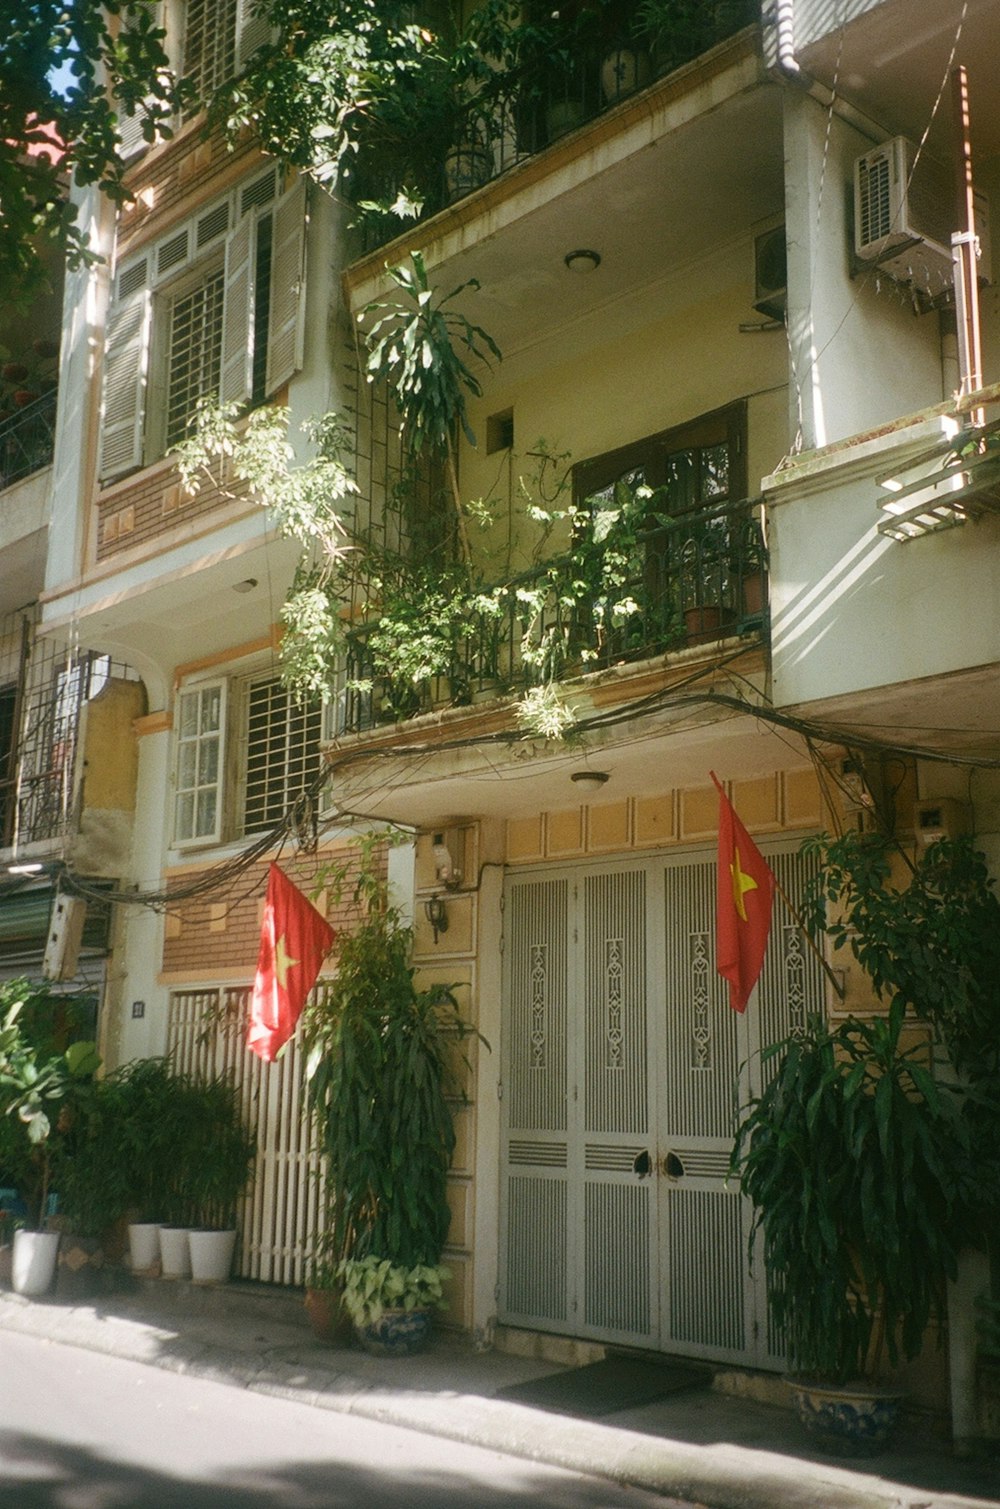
(27, 439)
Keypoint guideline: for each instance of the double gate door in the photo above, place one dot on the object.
(623, 1071)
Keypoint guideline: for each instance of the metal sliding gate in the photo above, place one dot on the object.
(623, 1070)
(283, 1210)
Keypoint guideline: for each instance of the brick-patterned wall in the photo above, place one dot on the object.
(133, 512)
(178, 176)
(217, 936)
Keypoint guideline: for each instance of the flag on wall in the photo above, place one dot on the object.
(294, 940)
(744, 897)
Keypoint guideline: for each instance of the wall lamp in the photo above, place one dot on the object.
(437, 915)
(582, 260)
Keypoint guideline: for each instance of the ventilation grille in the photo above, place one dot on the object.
(704, 1269)
(537, 1257)
(214, 224)
(617, 1259)
(131, 279)
(172, 253)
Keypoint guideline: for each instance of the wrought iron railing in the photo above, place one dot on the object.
(697, 579)
(27, 439)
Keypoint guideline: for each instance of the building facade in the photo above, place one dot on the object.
(692, 298)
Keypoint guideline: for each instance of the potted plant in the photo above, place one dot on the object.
(90, 1172)
(148, 1106)
(859, 1169)
(38, 1084)
(379, 1083)
(392, 1305)
(217, 1157)
(868, 1175)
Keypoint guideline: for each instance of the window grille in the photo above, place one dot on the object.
(195, 347)
(282, 751)
(210, 44)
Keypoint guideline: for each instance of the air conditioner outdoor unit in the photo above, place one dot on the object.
(770, 264)
(903, 218)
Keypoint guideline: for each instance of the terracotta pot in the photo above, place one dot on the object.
(328, 1318)
(705, 623)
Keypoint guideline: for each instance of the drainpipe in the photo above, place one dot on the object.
(787, 66)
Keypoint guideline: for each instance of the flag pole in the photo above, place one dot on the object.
(800, 923)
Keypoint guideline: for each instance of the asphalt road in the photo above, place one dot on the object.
(79, 1430)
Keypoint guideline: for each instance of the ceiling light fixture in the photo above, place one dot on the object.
(591, 780)
(582, 260)
(246, 585)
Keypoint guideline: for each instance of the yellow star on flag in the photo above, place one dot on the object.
(742, 882)
(283, 962)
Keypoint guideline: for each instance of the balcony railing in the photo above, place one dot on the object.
(27, 439)
(582, 71)
(693, 581)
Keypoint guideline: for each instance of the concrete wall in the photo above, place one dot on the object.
(853, 610)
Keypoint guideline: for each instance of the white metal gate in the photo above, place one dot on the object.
(283, 1208)
(623, 1070)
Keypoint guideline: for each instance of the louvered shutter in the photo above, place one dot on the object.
(125, 371)
(252, 31)
(237, 320)
(288, 289)
(130, 126)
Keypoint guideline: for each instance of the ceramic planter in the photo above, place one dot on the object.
(854, 1420)
(466, 167)
(33, 1266)
(397, 1333)
(211, 1255)
(175, 1252)
(144, 1246)
(623, 71)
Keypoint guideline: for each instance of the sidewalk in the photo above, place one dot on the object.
(719, 1451)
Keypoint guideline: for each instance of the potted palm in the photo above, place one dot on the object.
(379, 1084)
(221, 1151)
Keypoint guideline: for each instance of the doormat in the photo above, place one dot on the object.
(603, 1388)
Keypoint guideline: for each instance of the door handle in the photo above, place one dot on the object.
(673, 1167)
(643, 1165)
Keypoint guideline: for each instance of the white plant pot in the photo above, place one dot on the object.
(211, 1256)
(143, 1245)
(175, 1252)
(33, 1266)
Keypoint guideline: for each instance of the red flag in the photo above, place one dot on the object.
(744, 897)
(294, 940)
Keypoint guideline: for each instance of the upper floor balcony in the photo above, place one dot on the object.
(617, 597)
(27, 436)
(655, 170)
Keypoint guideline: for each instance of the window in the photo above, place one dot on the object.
(282, 751)
(685, 574)
(214, 308)
(194, 352)
(197, 799)
(276, 739)
(210, 44)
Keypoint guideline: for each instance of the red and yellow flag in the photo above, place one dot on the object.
(294, 940)
(744, 897)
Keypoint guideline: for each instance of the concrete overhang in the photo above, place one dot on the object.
(649, 728)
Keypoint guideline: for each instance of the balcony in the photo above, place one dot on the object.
(27, 439)
(608, 601)
(546, 78)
